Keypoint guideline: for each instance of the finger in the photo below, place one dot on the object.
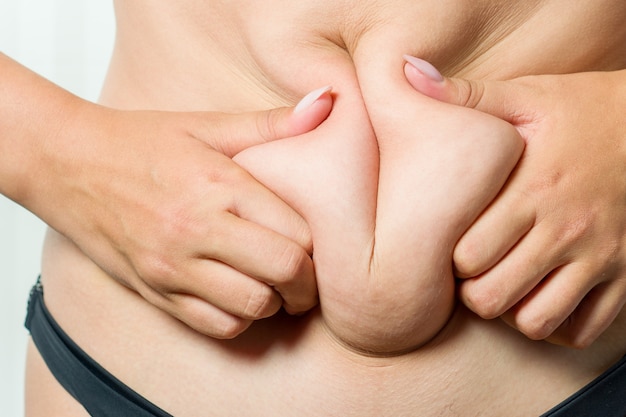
(496, 291)
(232, 133)
(269, 257)
(493, 234)
(504, 100)
(204, 317)
(551, 302)
(228, 289)
(593, 316)
(259, 205)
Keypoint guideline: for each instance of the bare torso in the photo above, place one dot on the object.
(388, 184)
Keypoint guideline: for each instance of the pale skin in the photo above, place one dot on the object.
(239, 56)
(158, 274)
(374, 227)
(549, 254)
(165, 219)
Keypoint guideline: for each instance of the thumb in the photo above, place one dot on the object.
(498, 98)
(232, 133)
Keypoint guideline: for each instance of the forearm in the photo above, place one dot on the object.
(153, 199)
(33, 113)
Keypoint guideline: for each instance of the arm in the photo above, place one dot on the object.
(549, 253)
(154, 199)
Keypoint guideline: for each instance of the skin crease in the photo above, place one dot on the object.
(563, 254)
(383, 256)
(148, 220)
(258, 56)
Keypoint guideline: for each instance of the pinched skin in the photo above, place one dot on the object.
(388, 183)
(386, 204)
(374, 295)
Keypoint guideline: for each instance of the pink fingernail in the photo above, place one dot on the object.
(424, 67)
(308, 100)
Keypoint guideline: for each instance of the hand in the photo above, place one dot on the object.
(155, 200)
(549, 253)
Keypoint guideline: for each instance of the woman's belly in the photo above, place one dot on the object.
(295, 365)
(302, 365)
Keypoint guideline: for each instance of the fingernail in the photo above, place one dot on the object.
(424, 67)
(308, 100)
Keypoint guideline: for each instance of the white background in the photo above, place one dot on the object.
(68, 42)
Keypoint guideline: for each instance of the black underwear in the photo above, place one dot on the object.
(103, 395)
(605, 396)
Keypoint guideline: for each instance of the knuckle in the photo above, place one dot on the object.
(487, 303)
(193, 313)
(267, 123)
(466, 258)
(304, 237)
(535, 325)
(291, 263)
(222, 177)
(193, 225)
(177, 221)
(217, 131)
(261, 303)
(470, 93)
(228, 328)
(575, 229)
(157, 271)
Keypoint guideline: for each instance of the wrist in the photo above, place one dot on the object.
(57, 179)
(37, 119)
